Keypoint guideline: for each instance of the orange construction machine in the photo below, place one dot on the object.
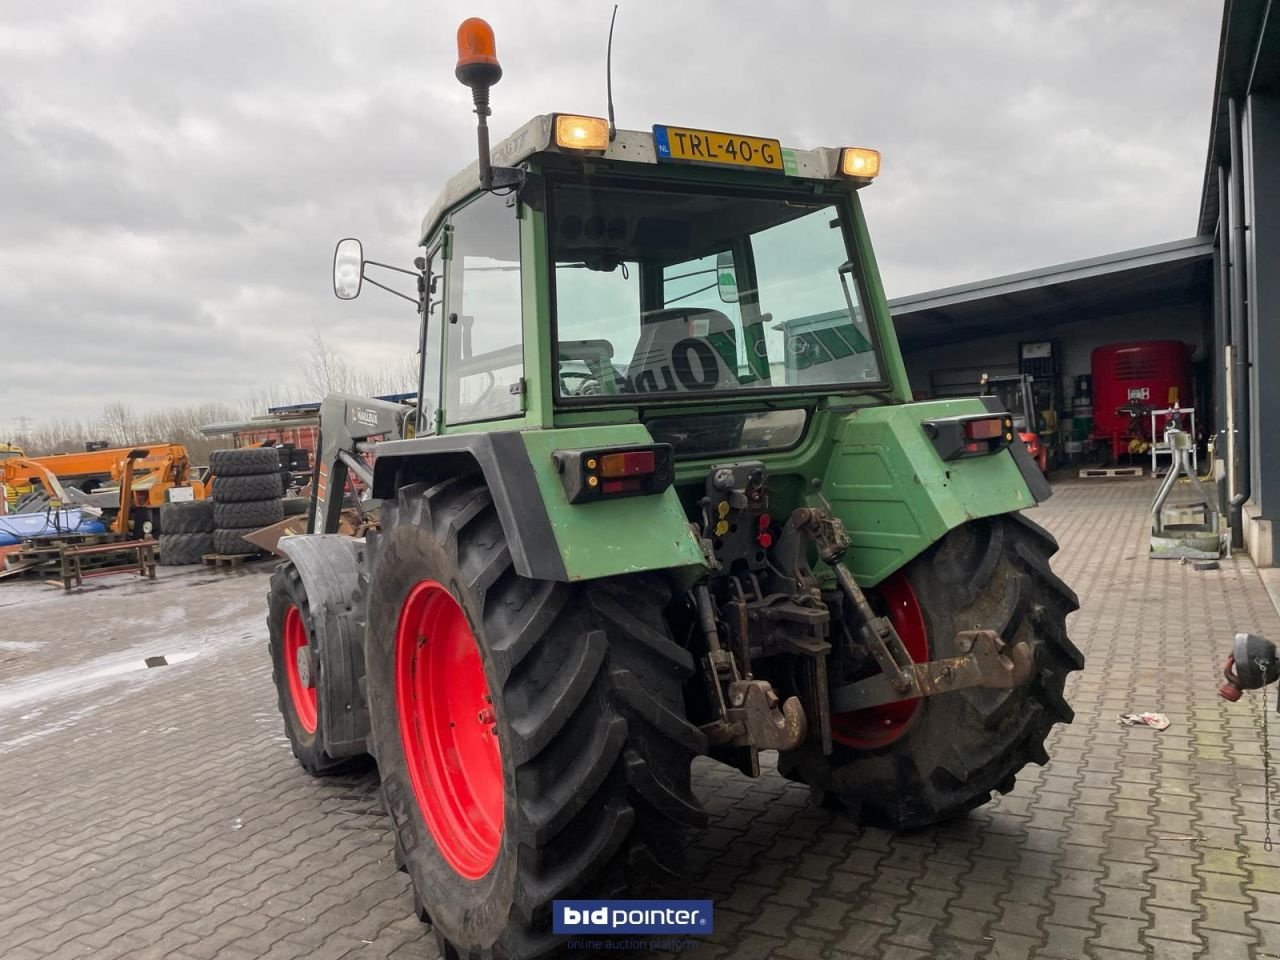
(144, 474)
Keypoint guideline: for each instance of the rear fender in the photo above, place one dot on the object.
(897, 496)
(550, 538)
(333, 569)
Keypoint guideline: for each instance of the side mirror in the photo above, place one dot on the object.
(348, 269)
(726, 278)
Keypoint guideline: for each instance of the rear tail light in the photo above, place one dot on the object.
(610, 472)
(630, 464)
(975, 435)
(987, 428)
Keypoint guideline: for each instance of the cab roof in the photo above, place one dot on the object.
(630, 146)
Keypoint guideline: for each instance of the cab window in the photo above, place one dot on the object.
(483, 364)
(669, 292)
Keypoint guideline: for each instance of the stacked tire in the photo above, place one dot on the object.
(186, 532)
(247, 487)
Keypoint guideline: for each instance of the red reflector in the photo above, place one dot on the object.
(630, 464)
(625, 485)
(983, 429)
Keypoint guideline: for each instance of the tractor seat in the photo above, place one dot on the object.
(685, 349)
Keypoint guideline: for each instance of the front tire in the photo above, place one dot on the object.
(292, 638)
(593, 749)
(944, 755)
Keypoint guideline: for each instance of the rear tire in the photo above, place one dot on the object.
(586, 689)
(289, 624)
(959, 747)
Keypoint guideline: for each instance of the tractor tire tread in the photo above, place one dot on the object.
(602, 775)
(183, 549)
(287, 589)
(194, 516)
(244, 462)
(246, 513)
(230, 542)
(948, 763)
(258, 486)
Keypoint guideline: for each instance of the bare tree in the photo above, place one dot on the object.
(325, 371)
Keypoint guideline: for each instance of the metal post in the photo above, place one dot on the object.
(1239, 427)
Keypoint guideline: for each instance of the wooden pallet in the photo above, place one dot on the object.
(228, 559)
(1111, 473)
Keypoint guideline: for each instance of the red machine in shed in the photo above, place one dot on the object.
(1132, 379)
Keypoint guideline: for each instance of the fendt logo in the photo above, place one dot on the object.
(633, 916)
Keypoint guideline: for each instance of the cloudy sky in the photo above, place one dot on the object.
(173, 175)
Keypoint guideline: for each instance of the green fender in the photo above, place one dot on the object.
(897, 497)
(612, 537)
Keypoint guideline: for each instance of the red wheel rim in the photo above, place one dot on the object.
(880, 726)
(447, 729)
(295, 644)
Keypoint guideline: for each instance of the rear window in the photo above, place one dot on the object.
(709, 434)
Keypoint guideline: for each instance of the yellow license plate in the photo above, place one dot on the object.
(683, 145)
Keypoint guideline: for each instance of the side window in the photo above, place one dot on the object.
(598, 323)
(482, 319)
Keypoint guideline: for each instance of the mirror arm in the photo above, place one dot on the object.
(387, 266)
(402, 296)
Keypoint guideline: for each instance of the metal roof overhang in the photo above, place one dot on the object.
(1168, 274)
(1248, 62)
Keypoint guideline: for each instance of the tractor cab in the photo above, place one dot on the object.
(665, 269)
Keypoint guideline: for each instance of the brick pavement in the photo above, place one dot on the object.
(159, 813)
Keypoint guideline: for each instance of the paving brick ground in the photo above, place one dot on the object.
(159, 813)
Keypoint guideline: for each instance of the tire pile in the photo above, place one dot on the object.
(247, 487)
(186, 532)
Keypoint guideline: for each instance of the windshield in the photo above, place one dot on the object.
(667, 293)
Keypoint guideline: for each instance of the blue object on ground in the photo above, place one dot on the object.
(14, 528)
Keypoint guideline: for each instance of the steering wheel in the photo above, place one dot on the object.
(588, 386)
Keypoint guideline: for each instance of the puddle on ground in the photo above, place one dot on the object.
(53, 684)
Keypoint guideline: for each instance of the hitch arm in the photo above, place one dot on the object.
(987, 662)
(984, 662)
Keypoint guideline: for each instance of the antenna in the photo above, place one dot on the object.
(608, 76)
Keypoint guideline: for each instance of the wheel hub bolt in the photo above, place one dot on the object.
(304, 668)
(485, 715)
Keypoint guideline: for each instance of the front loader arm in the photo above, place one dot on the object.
(347, 424)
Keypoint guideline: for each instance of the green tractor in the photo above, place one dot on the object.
(662, 495)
